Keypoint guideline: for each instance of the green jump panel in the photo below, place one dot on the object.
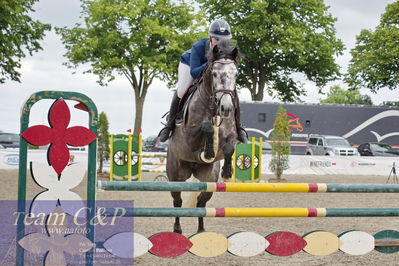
(247, 161)
(120, 155)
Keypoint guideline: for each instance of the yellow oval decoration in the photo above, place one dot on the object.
(208, 244)
(321, 243)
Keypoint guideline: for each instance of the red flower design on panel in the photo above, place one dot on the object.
(58, 135)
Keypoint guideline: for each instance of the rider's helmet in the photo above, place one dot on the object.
(220, 29)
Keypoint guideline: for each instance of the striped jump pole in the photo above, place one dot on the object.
(250, 212)
(152, 163)
(149, 155)
(247, 187)
(152, 171)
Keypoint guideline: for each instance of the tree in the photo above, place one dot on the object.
(279, 38)
(351, 96)
(390, 103)
(103, 140)
(139, 40)
(19, 34)
(280, 143)
(375, 58)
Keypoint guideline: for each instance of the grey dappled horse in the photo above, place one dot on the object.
(216, 95)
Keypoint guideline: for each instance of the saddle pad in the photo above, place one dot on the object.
(184, 102)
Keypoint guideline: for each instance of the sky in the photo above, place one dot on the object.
(44, 71)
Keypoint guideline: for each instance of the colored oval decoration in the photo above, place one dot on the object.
(356, 242)
(247, 244)
(127, 245)
(208, 244)
(386, 235)
(285, 243)
(169, 245)
(321, 243)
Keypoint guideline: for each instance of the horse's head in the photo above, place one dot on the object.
(222, 76)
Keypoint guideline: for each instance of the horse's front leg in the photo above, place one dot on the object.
(228, 151)
(207, 130)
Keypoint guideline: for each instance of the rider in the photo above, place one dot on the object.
(192, 65)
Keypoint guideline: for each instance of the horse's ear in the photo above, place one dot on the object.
(234, 53)
(215, 49)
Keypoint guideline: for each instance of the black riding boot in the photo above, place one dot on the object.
(242, 135)
(164, 134)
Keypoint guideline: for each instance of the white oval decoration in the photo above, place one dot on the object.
(356, 242)
(247, 244)
(136, 245)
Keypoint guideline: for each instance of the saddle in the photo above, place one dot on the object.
(182, 112)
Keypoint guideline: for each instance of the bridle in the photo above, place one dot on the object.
(214, 102)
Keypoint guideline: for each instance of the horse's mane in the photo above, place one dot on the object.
(225, 49)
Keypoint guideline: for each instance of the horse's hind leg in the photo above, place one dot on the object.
(177, 171)
(177, 202)
(205, 173)
(203, 198)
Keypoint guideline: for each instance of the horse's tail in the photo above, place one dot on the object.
(190, 198)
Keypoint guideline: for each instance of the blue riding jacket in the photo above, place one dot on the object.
(196, 58)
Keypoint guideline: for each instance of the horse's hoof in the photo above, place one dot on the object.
(226, 174)
(209, 155)
(200, 230)
(226, 180)
(177, 230)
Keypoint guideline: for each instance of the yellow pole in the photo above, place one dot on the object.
(252, 160)
(266, 212)
(270, 187)
(111, 157)
(139, 158)
(260, 158)
(129, 157)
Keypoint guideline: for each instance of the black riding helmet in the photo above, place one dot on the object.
(220, 29)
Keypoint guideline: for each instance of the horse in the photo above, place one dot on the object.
(209, 132)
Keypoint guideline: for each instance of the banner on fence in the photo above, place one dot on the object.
(298, 164)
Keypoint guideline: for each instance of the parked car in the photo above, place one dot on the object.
(266, 147)
(329, 145)
(149, 143)
(152, 144)
(377, 149)
(161, 146)
(9, 140)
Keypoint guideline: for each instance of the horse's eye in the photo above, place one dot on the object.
(214, 74)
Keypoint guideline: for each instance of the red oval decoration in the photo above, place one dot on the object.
(169, 245)
(285, 243)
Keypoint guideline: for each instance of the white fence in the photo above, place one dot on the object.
(299, 164)
(335, 165)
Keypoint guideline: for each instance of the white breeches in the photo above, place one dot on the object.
(184, 79)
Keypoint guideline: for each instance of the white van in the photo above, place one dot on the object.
(329, 145)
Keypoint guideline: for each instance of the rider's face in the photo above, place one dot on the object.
(214, 41)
